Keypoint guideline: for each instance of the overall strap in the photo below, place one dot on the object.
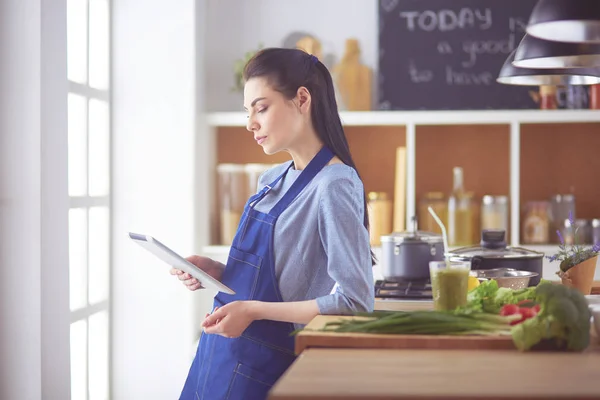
(259, 196)
(314, 166)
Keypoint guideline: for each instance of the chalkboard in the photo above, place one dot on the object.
(446, 54)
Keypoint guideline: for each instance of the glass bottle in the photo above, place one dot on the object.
(460, 213)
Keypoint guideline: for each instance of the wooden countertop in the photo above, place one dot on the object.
(328, 374)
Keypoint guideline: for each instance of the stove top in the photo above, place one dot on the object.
(403, 290)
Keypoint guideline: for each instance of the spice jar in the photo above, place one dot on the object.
(548, 97)
(380, 216)
(233, 194)
(536, 222)
(595, 97)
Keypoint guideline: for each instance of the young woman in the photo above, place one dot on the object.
(305, 230)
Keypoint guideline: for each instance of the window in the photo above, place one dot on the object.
(88, 65)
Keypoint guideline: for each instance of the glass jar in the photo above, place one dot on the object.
(494, 213)
(233, 194)
(561, 206)
(437, 201)
(536, 223)
(582, 231)
(380, 216)
(595, 231)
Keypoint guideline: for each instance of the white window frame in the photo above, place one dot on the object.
(87, 202)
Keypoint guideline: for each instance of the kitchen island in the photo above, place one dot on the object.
(342, 370)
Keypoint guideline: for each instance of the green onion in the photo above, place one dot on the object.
(425, 323)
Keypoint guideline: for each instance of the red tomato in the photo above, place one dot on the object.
(518, 321)
(509, 309)
(536, 308)
(527, 312)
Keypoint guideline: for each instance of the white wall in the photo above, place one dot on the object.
(155, 319)
(34, 304)
(234, 27)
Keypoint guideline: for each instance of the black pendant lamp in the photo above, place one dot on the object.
(575, 21)
(511, 75)
(533, 52)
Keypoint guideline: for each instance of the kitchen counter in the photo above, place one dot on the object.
(328, 374)
(338, 371)
(390, 304)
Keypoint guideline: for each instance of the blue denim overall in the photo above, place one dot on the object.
(247, 367)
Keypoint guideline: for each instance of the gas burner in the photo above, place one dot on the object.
(403, 289)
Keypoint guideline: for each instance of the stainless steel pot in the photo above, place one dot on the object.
(493, 252)
(406, 255)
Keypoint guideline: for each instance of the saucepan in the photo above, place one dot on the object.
(406, 255)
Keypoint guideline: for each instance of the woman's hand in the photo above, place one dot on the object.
(232, 319)
(208, 265)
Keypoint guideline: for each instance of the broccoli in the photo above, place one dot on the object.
(490, 298)
(563, 322)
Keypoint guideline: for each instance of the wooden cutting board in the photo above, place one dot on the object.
(309, 338)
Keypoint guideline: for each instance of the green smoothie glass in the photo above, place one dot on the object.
(449, 284)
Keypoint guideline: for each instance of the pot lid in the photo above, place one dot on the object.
(414, 236)
(493, 245)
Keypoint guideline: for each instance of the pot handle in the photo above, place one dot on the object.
(476, 261)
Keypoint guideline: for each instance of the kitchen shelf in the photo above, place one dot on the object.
(383, 118)
(501, 151)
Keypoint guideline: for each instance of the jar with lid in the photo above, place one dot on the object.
(494, 213)
(562, 205)
(233, 194)
(380, 216)
(581, 232)
(437, 201)
(536, 223)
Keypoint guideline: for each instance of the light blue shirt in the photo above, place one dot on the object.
(320, 240)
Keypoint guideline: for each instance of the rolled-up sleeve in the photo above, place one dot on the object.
(346, 243)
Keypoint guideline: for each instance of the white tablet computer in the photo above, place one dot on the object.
(175, 260)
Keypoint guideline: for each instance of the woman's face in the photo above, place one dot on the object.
(276, 122)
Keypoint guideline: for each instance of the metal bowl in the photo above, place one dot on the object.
(506, 277)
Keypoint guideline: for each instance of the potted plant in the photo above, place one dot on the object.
(238, 69)
(577, 263)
